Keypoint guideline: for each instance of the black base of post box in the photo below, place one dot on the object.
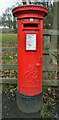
(29, 104)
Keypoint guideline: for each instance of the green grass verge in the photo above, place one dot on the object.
(8, 37)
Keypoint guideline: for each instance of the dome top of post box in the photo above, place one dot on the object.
(37, 8)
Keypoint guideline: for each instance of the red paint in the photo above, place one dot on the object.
(29, 61)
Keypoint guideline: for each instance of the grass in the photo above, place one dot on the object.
(9, 58)
(9, 38)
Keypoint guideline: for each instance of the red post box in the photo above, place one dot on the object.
(29, 51)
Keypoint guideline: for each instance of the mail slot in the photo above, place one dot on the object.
(30, 25)
(29, 51)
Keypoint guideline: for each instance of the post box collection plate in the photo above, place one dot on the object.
(30, 41)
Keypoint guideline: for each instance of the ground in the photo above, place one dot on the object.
(48, 110)
(10, 109)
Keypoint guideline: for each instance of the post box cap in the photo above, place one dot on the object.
(17, 10)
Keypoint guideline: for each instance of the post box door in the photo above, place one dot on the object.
(30, 62)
